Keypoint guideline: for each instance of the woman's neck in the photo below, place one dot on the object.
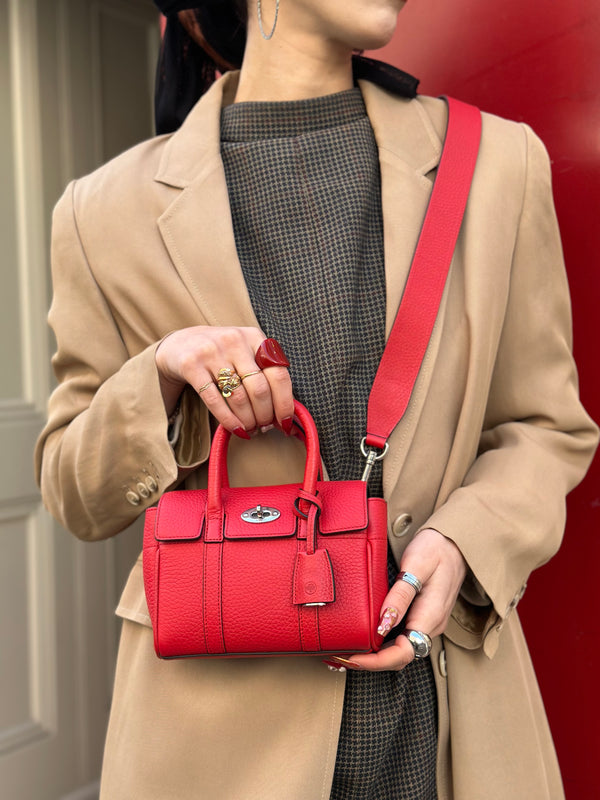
(291, 67)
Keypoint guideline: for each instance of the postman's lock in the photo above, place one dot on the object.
(261, 514)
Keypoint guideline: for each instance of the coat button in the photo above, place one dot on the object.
(443, 664)
(143, 489)
(151, 484)
(401, 525)
(515, 601)
(133, 498)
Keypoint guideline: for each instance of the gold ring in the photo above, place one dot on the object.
(247, 375)
(228, 381)
(206, 385)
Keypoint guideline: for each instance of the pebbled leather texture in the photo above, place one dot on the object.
(313, 578)
(217, 585)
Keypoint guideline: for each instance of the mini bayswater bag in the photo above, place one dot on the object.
(301, 569)
(298, 568)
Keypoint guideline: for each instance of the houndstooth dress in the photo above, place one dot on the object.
(304, 188)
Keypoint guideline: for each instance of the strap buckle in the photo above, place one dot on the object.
(372, 456)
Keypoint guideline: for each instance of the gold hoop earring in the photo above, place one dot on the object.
(266, 36)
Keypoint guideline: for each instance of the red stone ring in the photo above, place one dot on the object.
(270, 354)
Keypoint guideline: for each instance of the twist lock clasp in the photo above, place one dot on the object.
(261, 514)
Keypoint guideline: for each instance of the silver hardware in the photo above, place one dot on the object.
(261, 514)
(372, 456)
(313, 605)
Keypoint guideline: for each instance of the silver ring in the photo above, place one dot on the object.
(421, 643)
(411, 579)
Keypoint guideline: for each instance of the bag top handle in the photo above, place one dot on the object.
(217, 464)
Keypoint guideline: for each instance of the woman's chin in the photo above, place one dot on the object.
(375, 40)
(379, 32)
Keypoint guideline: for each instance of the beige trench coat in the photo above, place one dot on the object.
(493, 439)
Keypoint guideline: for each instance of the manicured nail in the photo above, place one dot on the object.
(241, 433)
(287, 425)
(266, 428)
(388, 619)
(347, 661)
(270, 354)
(334, 667)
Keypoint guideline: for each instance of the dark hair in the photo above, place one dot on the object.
(210, 38)
(221, 27)
(198, 42)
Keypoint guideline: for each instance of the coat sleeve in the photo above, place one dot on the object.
(104, 455)
(508, 516)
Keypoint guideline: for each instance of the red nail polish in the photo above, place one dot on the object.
(346, 662)
(270, 354)
(241, 433)
(287, 424)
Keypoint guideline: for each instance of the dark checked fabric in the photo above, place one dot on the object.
(304, 187)
(305, 199)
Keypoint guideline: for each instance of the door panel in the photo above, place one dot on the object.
(75, 89)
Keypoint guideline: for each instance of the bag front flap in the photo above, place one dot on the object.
(261, 512)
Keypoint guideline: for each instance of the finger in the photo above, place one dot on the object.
(396, 604)
(258, 393)
(394, 656)
(400, 596)
(215, 402)
(280, 384)
(253, 398)
(430, 610)
(278, 377)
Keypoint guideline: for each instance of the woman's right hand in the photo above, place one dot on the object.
(195, 356)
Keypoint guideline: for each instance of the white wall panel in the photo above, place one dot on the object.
(75, 89)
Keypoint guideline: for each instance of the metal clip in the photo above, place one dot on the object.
(372, 456)
(261, 514)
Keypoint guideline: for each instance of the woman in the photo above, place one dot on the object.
(288, 205)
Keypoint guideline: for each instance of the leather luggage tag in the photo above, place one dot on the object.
(313, 579)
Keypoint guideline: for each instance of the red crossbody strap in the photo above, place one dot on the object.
(411, 332)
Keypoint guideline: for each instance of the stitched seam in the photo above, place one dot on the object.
(206, 648)
(220, 573)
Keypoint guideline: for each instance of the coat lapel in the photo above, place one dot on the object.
(409, 148)
(197, 227)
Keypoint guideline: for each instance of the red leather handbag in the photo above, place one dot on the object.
(265, 570)
(301, 569)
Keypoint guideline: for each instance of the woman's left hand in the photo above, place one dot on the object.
(438, 563)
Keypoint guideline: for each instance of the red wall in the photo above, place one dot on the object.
(540, 62)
